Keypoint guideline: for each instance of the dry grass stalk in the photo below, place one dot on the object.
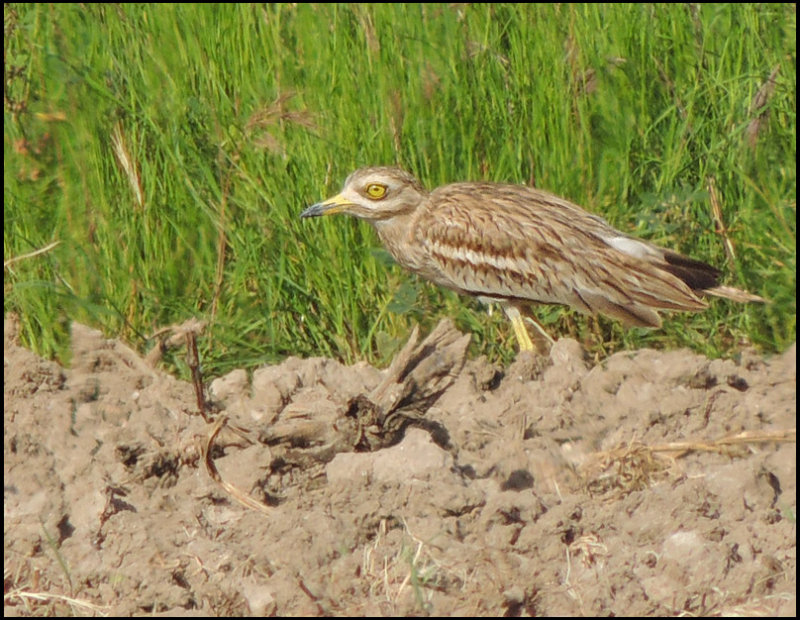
(758, 107)
(722, 230)
(127, 163)
(635, 466)
(43, 250)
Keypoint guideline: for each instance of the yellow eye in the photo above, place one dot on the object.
(376, 191)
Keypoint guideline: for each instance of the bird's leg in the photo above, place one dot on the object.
(542, 331)
(524, 340)
(521, 331)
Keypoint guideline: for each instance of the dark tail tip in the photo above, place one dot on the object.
(696, 274)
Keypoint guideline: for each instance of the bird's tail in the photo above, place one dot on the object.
(703, 278)
(735, 294)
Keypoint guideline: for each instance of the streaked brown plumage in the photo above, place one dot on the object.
(519, 245)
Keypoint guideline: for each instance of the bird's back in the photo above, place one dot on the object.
(519, 243)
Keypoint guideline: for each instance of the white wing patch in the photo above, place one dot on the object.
(631, 247)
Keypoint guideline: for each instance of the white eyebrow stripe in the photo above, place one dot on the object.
(351, 195)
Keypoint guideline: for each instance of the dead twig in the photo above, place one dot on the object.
(240, 496)
(193, 360)
(177, 337)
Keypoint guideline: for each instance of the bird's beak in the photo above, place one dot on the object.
(337, 204)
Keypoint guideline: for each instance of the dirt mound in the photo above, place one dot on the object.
(654, 483)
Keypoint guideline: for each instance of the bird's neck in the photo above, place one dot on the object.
(396, 236)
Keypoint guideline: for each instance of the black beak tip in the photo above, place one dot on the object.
(312, 211)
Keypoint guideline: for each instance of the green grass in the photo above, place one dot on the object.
(234, 118)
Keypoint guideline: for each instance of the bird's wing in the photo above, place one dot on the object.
(518, 243)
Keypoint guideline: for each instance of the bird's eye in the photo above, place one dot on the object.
(376, 191)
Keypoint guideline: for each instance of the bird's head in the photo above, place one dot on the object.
(373, 194)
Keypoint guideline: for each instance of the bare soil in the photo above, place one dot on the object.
(654, 483)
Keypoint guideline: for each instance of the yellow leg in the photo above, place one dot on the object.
(521, 332)
(547, 338)
(524, 340)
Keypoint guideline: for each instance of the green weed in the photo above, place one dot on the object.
(170, 149)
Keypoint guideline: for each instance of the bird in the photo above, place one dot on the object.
(521, 246)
